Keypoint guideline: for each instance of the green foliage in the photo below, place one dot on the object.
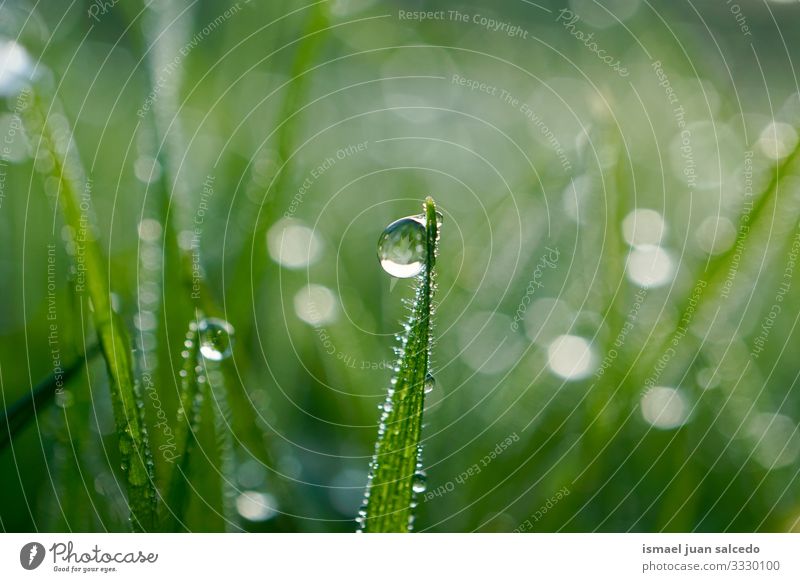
(17, 415)
(396, 465)
(536, 150)
(74, 195)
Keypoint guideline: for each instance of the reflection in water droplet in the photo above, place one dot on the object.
(256, 506)
(430, 383)
(665, 408)
(419, 482)
(571, 357)
(216, 338)
(402, 247)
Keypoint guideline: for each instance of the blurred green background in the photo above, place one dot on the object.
(613, 251)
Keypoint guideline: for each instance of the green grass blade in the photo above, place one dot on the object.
(389, 497)
(223, 437)
(18, 414)
(191, 400)
(163, 37)
(73, 196)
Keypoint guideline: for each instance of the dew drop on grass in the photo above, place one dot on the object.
(430, 383)
(421, 218)
(402, 247)
(419, 482)
(216, 338)
(64, 399)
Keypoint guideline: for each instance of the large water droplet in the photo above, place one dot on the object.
(216, 339)
(430, 383)
(402, 247)
(419, 482)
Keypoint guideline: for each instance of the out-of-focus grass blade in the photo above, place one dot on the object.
(73, 194)
(17, 415)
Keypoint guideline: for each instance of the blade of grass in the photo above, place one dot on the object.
(256, 265)
(191, 400)
(163, 33)
(17, 415)
(223, 435)
(72, 194)
(389, 495)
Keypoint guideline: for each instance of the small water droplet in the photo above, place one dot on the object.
(64, 399)
(419, 482)
(430, 383)
(216, 339)
(402, 247)
(439, 219)
(388, 406)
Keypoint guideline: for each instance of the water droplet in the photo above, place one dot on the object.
(665, 408)
(64, 399)
(256, 506)
(402, 247)
(422, 219)
(430, 383)
(571, 357)
(388, 406)
(643, 226)
(216, 339)
(419, 482)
